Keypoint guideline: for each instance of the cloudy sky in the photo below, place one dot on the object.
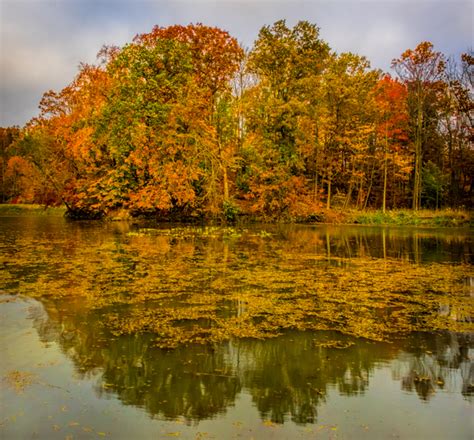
(43, 41)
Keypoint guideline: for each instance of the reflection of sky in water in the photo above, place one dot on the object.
(290, 385)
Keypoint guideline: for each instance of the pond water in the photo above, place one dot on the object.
(121, 331)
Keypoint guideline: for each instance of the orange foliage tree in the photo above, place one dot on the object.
(394, 152)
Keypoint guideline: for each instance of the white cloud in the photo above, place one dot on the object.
(42, 45)
(42, 42)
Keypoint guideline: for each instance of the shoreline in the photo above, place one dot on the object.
(444, 218)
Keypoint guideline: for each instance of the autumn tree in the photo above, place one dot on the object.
(59, 141)
(215, 58)
(345, 136)
(421, 70)
(8, 135)
(457, 128)
(139, 130)
(19, 179)
(392, 133)
(286, 62)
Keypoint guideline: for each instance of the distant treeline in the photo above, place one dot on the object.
(183, 122)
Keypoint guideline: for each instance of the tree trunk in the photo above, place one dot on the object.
(418, 157)
(328, 202)
(384, 200)
(349, 195)
(226, 183)
(370, 185)
(315, 189)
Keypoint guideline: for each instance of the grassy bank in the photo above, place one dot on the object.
(20, 209)
(431, 218)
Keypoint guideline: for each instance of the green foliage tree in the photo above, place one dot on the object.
(434, 183)
(288, 64)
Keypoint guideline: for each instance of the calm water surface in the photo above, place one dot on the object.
(65, 375)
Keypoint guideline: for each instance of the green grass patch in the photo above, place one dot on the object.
(31, 209)
(441, 218)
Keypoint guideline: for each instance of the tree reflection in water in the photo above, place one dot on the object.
(432, 363)
(288, 377)
(357, 280)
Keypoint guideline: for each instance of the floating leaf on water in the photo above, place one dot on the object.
(19, 380)
(333, 344)
(208, 294)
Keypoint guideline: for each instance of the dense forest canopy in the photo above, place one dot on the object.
(184, 122)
